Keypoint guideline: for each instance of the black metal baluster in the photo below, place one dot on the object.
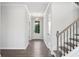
(73, 36)
(61, 42)
(70, 37)
(64, 43)
(57, 34)
(76, 33)
(67, 40)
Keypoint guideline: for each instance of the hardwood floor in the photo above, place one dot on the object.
(36, 48)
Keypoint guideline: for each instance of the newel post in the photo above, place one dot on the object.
(57, 35)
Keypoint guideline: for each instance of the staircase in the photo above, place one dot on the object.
(36, 48)
(67, 40)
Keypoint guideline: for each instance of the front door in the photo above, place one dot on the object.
(37, 28)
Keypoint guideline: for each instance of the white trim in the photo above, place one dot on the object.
(47, 8)
(13, 48)
(30, 28)
(27, 9)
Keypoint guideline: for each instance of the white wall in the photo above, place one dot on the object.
(63, 14)
(15, 32)
(0, 25)
(46, 20)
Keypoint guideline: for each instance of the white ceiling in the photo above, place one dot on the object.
(37, 7)
(33, 7)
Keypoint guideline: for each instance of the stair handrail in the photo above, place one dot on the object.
(68, 26)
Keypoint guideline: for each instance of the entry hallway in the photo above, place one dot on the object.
(39, 29)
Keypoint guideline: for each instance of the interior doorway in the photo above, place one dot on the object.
(37, 27)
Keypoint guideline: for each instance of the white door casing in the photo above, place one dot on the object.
(40, 34)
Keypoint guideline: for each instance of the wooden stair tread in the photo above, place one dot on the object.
(70, 44)
(64, 49)
(76, 34)
(74, 39)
